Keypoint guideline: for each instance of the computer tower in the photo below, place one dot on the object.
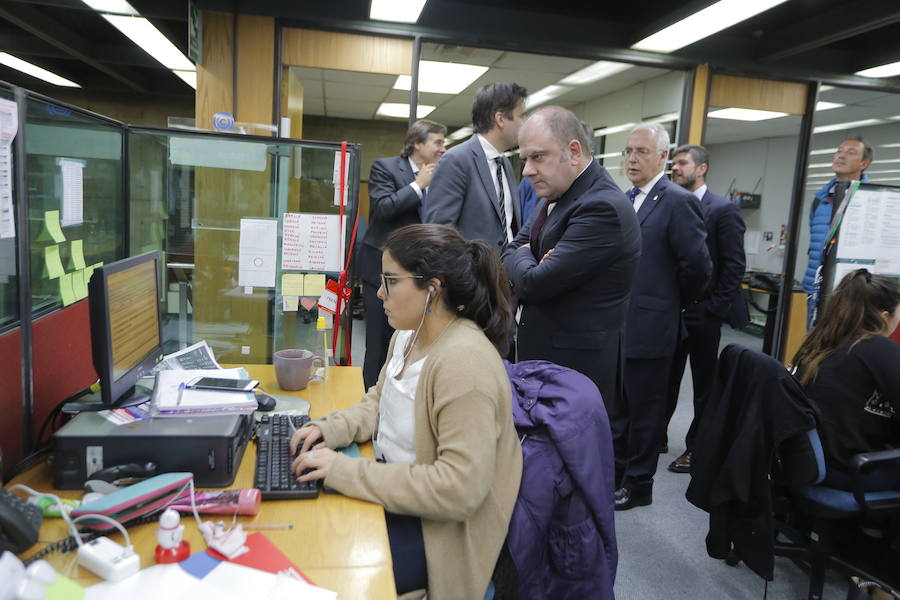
(210, 447)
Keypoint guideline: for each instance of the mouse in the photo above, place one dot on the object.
(264, 402)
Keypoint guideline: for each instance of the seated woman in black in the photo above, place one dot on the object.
(851, 370)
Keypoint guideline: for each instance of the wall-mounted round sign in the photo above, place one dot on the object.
(223, 121)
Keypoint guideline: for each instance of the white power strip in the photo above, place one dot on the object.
(108, 560)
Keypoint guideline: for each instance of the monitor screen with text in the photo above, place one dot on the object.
(133, 316)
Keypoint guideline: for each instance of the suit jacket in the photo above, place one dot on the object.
(724, 300)
(393, 204)
(674, 270)
(462, 194)
(574, 303)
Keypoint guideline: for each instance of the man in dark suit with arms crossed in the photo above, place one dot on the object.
(674, 270)
(723, 300)
(397, 186)
(474, 188)
(572, 266)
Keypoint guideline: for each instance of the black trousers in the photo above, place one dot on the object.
(378, 335)
(702, 346)
(637, 418)
(407, 552)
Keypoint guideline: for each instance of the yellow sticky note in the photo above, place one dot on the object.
(66, 292)
(51, 223)
(76, 253)
(79, 287)
(314, 284)
(290, 303)
(88, 272)
(52, 262)
(292, 284)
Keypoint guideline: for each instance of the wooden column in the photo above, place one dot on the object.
(698, 104)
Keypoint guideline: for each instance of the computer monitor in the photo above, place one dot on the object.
(126, 338)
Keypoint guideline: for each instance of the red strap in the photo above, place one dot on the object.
(342, 279)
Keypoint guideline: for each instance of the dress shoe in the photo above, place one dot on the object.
(627, 498)
(682, 464)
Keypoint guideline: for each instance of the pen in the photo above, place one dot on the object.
(252, 526)
(180, 393)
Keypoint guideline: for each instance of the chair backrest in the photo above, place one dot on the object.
(800, 460)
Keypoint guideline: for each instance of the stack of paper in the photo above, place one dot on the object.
(172, 399)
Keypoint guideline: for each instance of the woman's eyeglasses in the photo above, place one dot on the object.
(388, 280)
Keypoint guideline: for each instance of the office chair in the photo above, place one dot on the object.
(808, 515)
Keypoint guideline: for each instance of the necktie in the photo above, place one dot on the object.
(422, 206)
(500, 195)
(632, 194)
(536, 227)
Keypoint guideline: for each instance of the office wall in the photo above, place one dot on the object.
(133, 109)
(650, 98)
(744, 163)
(378, 138)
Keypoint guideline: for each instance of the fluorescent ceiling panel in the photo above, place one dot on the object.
(822, 105)
(888, 70)
(442, 77)
(745, 114)
(399, 11)
(142, 32)
(890, 145)
(401, 111)
(614, 129)
(848, 125)
(35, 71)
(704, 23)
(664, 118)
(113, 7)
(595, 72)
(459, 133)
(825, 88)
(545, 95)
(825, 151)
(189, 77)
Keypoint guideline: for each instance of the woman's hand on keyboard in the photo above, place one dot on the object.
(304, 438)
(314, 464)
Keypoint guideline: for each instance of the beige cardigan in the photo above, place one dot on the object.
(468, 460)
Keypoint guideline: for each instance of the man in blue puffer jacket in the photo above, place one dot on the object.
(851, 159)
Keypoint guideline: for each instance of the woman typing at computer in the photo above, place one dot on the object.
(851, 370)
(449, 462)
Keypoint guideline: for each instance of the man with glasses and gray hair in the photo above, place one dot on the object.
(674, 271)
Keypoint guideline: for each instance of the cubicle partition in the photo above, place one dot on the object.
(94, 190)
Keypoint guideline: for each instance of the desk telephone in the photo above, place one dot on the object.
(19, 523)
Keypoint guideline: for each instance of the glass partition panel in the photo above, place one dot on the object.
(189, 195)
(75, 200)
(9, 280)
(848, 119)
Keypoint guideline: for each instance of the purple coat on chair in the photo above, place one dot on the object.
(562, 535)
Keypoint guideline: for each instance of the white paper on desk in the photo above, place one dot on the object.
(256, 255)
(166, 392)
(9, 124)
(197, 356)
(73, 191)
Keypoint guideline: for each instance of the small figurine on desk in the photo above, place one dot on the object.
(172, 548)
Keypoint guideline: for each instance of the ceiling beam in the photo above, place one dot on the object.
(45, 28)
(840, 23)
(173, 10)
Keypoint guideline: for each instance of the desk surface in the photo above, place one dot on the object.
(339, 543)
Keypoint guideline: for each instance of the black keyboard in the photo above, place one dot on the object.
(273, 459)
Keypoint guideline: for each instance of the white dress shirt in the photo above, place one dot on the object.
(413, 184)
(492, 153)
(645, 189)
(700, 191)
(395, 441)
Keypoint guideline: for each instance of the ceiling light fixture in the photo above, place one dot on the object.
(822, 105)
(545, 95)
(189, 77)
(113, 7)
(442, 77)
(595, 72)
(848, 125)
(825, 151)
(401, 111)
(398, 11)
(888, 70)
(613, 129)
(35, 71)
(460, 133)
(704, 23)
(745, 114)
(143, 33)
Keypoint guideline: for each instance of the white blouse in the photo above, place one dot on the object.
(396, 439)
